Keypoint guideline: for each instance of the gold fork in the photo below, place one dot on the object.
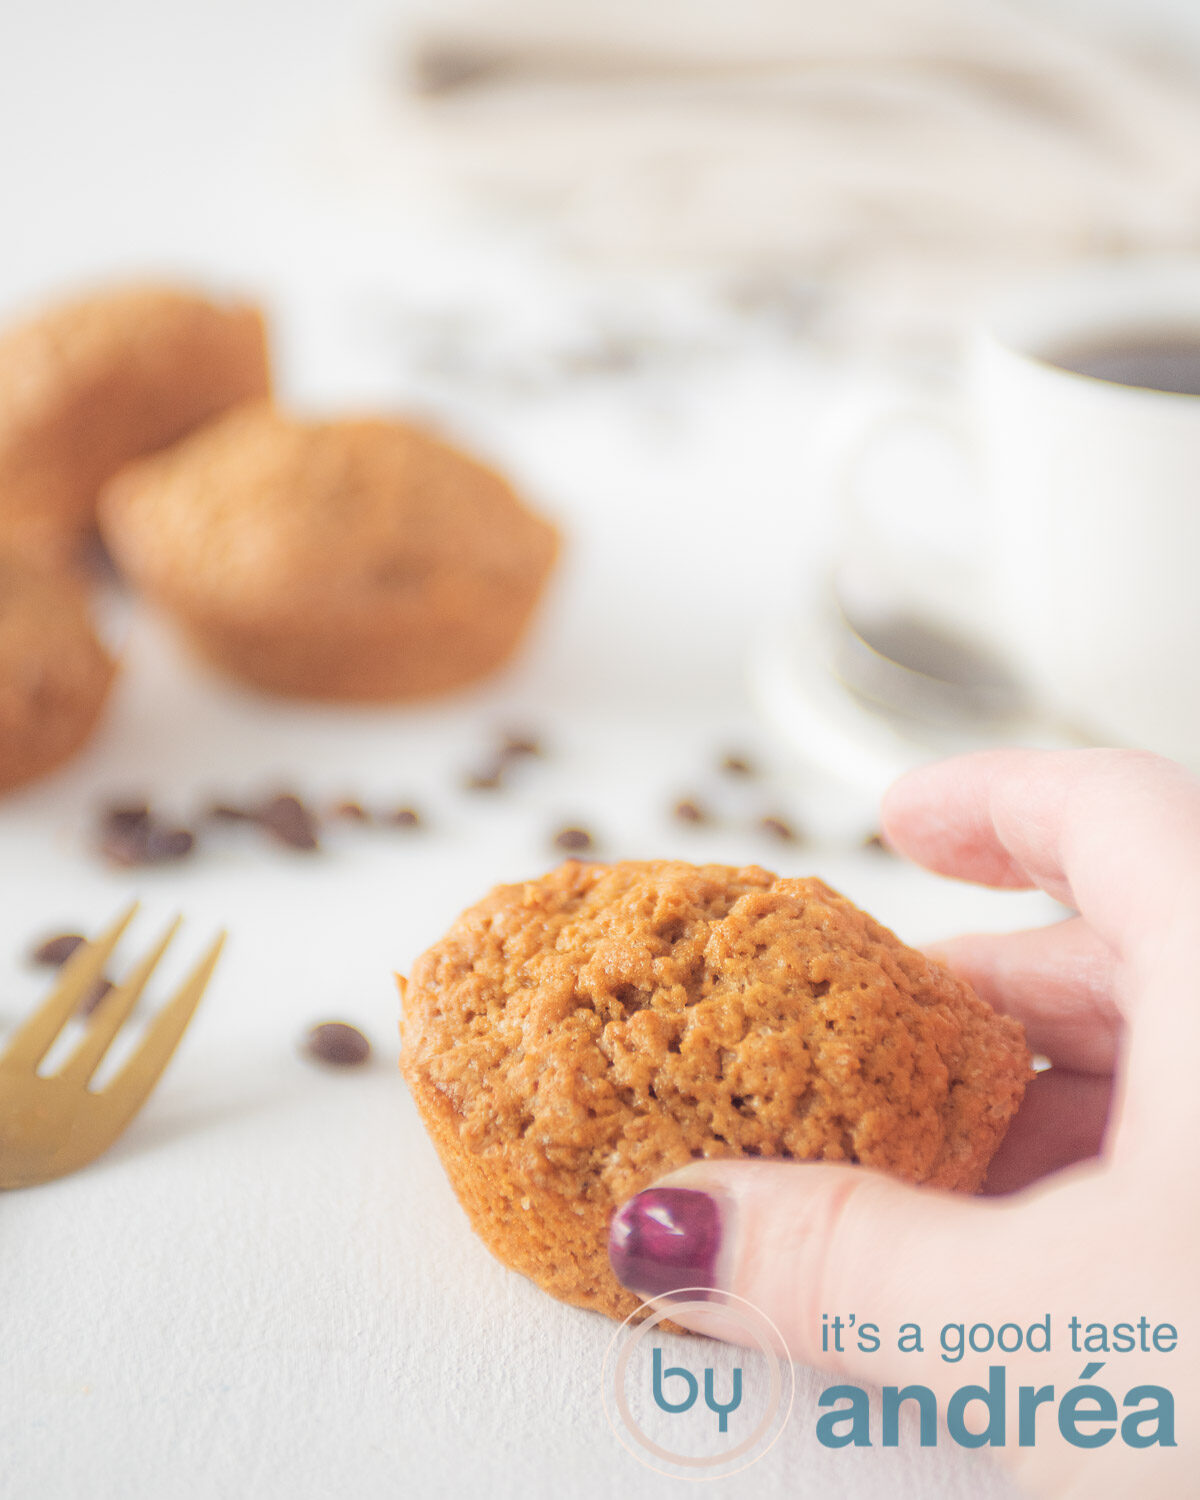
(50, 1126)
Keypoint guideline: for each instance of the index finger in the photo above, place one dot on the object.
(1116, 834)
(1113, 833)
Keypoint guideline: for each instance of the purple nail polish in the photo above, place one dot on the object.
(664, 1239)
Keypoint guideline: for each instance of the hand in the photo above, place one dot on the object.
(1095, 1212)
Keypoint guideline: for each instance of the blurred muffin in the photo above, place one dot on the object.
(90, 384)
(573, 1038)
(355, 559)
(54, 673)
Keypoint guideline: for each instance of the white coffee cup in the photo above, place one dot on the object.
(1091, 493)
(1082, 568)
(1065, 548)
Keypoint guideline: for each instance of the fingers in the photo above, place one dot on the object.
(897, 1287)
(804, 1242)
(1058, 981)
(1062, 1120)
(1113, 833)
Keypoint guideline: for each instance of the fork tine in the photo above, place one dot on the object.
(111, 1013)
(30, 1042)
(141, 1072)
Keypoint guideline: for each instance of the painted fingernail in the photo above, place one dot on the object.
(665, 1239)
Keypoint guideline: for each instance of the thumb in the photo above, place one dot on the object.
(807, 1243)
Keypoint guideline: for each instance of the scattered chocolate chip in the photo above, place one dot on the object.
(515, 746)
(337, 1044)
(778, 829)
(127, 817)
(290, 821)
(687, 811)
(121, 848)
(404, 817)
(56, 950)
(230, 812)
(736, 765)
(875, 844)
(573, 840)
(164, 844)
(487, 780)
(131, 836)
(353, 812)
(94, 996)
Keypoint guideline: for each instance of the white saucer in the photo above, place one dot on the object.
(797, 673)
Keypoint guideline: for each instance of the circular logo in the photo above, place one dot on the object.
(696, 1408)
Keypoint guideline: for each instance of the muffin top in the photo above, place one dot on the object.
(258, 513)
(607, 1023)
(91, 383)
(72, 340)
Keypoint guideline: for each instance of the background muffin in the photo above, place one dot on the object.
(90, 384)
(573, 1038)
(54, 673)
(352, 559)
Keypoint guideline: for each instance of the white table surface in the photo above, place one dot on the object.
(267, 1289)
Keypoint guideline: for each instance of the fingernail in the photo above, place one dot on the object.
(665, 1239)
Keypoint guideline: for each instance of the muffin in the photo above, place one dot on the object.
(356, 559)
(573, 1038)
(90, 384)
(54, 673)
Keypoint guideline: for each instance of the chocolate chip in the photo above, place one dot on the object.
(487, 780)
(56, 950)
(130, 835)
(165, 844)
(337, 1044)
(404, 817)
(778, 829)
(124, 848)
(687, 811)
(515, 746)
(353, 812)
(736, 765)
(126, 817)
(92, 999)
(287, 819)
(573, 840)
(230, 812)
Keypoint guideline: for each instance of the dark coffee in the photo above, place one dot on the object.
(1155, 362)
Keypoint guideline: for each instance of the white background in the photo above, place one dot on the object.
(267, 1288)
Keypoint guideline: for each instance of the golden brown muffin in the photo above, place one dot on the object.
(54, 673)
(353, 559)
(91, 384)
(572, 1039)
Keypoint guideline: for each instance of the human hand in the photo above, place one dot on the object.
(1095, 1212)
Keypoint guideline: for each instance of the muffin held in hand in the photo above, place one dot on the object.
(573, 1038)
(91, 384)
(351, 560)
(54, 673)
